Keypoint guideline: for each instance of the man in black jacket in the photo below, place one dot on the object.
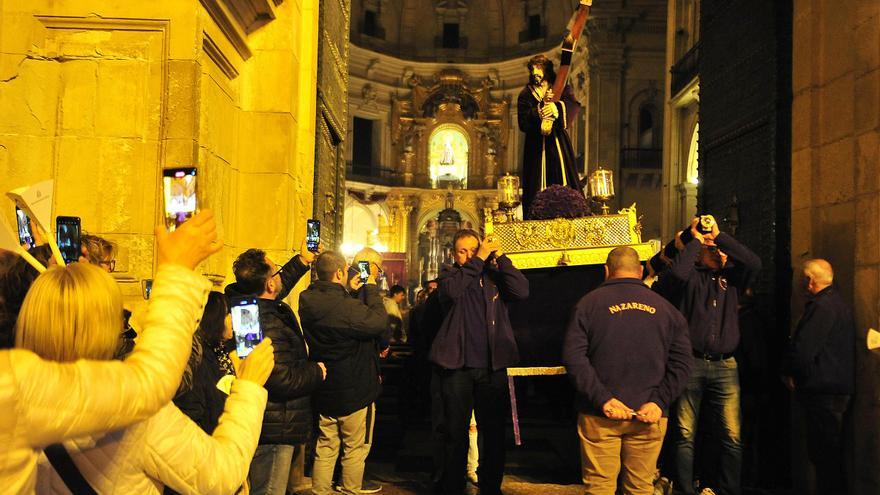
(342, 331)
(707, 277)
(287, 423)
(819, 367)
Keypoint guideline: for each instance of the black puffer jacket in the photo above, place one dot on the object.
(204, 402)
(343, 332)
(288, 417)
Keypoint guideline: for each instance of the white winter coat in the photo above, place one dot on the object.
(169, 449)
(43, 402)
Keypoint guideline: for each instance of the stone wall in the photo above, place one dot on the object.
(835, 185)
(101, 96)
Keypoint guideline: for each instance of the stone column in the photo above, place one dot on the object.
(606, 91)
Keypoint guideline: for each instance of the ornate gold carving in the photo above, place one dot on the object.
(560, 241)
(561, 232)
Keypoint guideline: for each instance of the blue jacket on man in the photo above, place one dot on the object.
(474, 296)
(625, 341)
(821, 354)
(709, 299)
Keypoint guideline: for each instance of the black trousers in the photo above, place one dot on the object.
(485, 392)
(824, 417)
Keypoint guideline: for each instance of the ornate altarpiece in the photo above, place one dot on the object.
(449, 99)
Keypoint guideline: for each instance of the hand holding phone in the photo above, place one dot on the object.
(191, 244)
(306, 255)
(259, 366)
(245, 325)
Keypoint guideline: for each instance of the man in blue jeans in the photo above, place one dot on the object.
(708, 275)
(287, 423)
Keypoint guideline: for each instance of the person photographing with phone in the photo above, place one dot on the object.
(343, 332)
(472, 349)
(287, 424)
(709, 274)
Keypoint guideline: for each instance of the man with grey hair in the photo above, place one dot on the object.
(628, 355)
(819, 368)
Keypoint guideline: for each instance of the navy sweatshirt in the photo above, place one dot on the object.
(709, 299)
(627, 342)
(821, 355)
(476, 330)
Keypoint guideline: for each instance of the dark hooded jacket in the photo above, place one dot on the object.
(342, 332)
(288, 417)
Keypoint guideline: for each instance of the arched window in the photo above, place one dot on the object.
(448, 156)
(692, 174)
(646, 127)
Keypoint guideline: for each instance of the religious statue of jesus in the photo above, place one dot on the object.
(547, 158)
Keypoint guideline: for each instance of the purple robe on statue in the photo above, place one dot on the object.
(548, 159)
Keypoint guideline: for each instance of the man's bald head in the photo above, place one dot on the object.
(623, 262)
(818, 274)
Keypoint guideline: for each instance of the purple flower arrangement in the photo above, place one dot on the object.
(558, 202)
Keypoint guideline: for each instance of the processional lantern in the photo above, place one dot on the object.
(602, 187)
(508, 195)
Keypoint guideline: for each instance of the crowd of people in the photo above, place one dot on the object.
(97, 400)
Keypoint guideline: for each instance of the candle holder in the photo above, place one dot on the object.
(602, 187)
(508, 195)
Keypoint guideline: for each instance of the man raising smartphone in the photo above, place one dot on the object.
(287, 424)
(472, 350)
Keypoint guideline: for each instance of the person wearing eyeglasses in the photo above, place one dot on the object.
(287, 423)
(98, 251)
(709, 274)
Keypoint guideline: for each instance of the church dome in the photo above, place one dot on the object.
(459, 31)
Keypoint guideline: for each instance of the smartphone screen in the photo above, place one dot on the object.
(25, 235)
(179, 190)
(313, 234)
(364, 270)
(67, 235)
(147, 287)
(245, 325)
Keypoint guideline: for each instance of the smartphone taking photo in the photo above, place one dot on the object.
(25, 234)
(67, 235)
(364, 270)
(245, 324)
(313, 235)
(179, 191)
(147, 287)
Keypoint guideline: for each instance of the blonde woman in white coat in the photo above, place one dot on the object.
(168, 448)
(44, 402)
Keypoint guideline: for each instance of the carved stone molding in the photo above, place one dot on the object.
(218, 57)
(229, 24)
(252, 14)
